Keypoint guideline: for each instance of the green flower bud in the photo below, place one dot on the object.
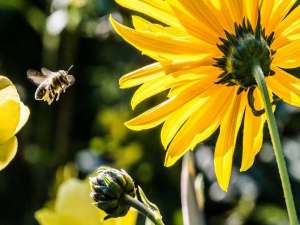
(109, 187)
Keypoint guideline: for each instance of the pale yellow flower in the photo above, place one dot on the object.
(13, 116)
(73, 206)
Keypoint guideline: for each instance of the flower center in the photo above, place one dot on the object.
(241, 51)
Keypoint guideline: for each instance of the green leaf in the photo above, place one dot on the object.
(146, 201)
(148, 221)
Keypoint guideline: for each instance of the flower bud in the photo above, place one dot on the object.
(108, 189)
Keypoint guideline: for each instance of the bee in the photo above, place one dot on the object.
(50, 84)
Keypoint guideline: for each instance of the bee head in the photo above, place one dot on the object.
(63, 72)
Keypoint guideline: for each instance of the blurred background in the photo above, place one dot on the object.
(85, 128)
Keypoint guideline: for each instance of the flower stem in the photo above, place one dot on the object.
(142, 208)
(283, 172)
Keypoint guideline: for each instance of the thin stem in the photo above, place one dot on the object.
(146, 211)
(283, 172)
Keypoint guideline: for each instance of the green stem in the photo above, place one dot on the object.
(146, 211)
(283, 172)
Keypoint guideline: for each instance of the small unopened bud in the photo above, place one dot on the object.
(109, 186)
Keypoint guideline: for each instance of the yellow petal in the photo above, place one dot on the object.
(288, 56)
(202, 122)
(198, 72)
(180, 66)
(266, 10)
(227, 139)
(8, 151)
(9, 104)
(9, 119)
(159, 113)
(288, 30)
(200, 10)
(24, 115)
(73, 206)
(251, 10)
(217, 7)
(161, 84)
(47, 217)
(163, 45)
(150, 89)
(156, 70)
(129, 219)
(253, 133)
(7, 90)
(141, 24)
(177, 118)
(74, 202)
(156, 9)
(142, 75)
(285, 86)
(235, 8)
(279, 12)
(191, 24)
(178, 89)
(4, 82)
(50, 217)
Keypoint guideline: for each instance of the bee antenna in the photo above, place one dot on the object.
(70, 68)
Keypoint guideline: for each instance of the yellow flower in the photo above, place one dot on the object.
(13, 116)
(205, 51)
(73, 206)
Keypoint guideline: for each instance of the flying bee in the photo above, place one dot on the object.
(50, 84)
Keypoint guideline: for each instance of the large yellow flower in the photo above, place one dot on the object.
(205, 51)
(73, 206)
(13, 115)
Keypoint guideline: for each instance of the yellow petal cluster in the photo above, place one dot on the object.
(183, 36)
(73, 206)
(13, 116)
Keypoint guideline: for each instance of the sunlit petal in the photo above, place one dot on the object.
(253, 133)
(157, 9)
(288, 56)
(227, 139)
(285, 86)
(8, 151)
(9, 119)
(158, 114)
(201, 124)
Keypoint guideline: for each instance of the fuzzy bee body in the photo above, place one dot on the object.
(50, 84)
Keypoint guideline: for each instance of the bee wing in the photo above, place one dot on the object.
(47, 72)
(71, 79)
(35, 76)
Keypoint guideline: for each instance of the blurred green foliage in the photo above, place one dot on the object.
(85, 128)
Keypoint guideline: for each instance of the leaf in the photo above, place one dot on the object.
(148, 221)
(149, 204)
(146, 201)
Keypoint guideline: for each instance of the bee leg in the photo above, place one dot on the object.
(49, 101)
(52, 99)
(64, 88)
(60, 84)
(57, 96)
